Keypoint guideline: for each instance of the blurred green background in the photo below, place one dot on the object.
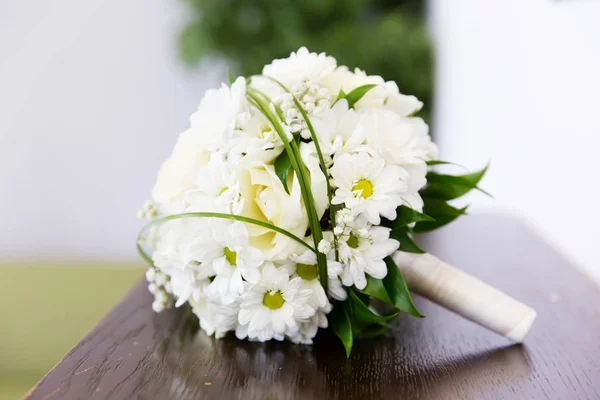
(383, 37)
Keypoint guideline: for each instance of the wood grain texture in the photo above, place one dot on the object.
(136, 354)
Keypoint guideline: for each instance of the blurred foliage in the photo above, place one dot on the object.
(383, 37)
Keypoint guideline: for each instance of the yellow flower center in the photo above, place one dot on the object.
(307, 272)
(230, 256)
(364, 186)
(352, 242)
(273, 300)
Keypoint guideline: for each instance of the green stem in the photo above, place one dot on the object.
(320, 156)
(297, 166)
(231, 217)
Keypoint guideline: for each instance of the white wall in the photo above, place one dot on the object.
(518, 84)
(92, 96)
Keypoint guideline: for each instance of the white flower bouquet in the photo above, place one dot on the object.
(286, 205)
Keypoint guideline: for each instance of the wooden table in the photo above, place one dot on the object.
(136, 354)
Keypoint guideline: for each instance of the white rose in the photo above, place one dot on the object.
(178, 173)
(265, 199)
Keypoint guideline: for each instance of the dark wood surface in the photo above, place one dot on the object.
(136, 354)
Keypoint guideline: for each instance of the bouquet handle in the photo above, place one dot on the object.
(464, 294)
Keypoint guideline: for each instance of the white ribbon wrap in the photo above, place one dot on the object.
(467, 296)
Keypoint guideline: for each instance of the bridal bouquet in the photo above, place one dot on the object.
(281, 206)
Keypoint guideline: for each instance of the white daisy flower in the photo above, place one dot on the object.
(362, 251)
(367, 186)
(217, 188)
(305, 266)
(226, 249)
(274, 305)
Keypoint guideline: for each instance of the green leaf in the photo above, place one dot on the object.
(283, 165)
(372, 331)
(407, 244)
(363, 315)
(229, 76)
(376, 289)
(443, 213)
(340, 323)
(397, 289)
(439, 162)
(448, 187)
(406, 216)
(356, 94)
(341, 95)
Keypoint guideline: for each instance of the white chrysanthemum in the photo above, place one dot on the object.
(367, 186)
(216, 318)
(215, 120)
(274, 305)
(177, 255)
(339, 131)
(401, 141)
(308, 330)
(217, 188)
(363, 251)
(384, 95)
(305, 266)
(226, 249)
(301, 66)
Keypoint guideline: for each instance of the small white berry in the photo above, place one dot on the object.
(324, 93)
(308, 99)
(150, 274)
(348, 218)
(292, 113)
(161, 296)
(153, 288)
(363, 233)
(157, 306)
(324, 246)
(309, 107)
(160, 279)
(295, 126)
(305, 133)
(148, 205)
